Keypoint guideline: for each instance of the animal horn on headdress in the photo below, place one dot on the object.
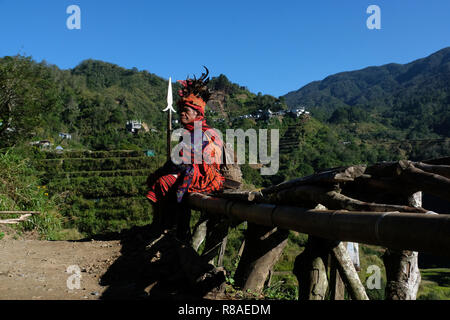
(204, 75)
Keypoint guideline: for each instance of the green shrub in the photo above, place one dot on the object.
(21, 190)
(281, 290)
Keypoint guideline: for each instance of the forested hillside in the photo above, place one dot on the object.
(365, 116)
(410, 101)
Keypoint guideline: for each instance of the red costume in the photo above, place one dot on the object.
(203, 177)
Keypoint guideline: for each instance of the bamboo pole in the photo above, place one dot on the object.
(396, 230)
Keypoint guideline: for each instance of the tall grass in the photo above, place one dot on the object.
(21, 190)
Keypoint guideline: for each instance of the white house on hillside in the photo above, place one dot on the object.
(65, 135)
(134, 126)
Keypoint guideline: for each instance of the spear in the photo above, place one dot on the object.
(170, 109)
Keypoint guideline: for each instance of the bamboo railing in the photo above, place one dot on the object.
(396, 230)
(378, 205)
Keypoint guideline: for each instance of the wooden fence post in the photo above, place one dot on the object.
(402, 267)
(402, 273)
(337, 286)
(310, 268)
(216, 235)
(199, 234)
(348, 272)
(223, 247)
(262, 249)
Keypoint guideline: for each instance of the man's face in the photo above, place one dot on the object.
(187, 115)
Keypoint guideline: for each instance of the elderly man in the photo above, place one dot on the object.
(169, 184)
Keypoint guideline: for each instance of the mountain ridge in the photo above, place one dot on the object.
(370, 86)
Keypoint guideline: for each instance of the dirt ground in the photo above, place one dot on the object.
(37, 270)
(135, 264)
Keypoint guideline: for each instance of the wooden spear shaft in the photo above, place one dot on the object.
(169, 110)
(169, 133)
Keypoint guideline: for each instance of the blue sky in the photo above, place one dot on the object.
(271, 47)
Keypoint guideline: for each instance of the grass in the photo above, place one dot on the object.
(282, 288)
(21, 190)
(435, 284)
(68, 234)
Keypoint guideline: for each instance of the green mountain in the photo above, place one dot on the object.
(413, 97)
(94, 101)
(357, 117)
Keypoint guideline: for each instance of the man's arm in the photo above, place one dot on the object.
(168, 168)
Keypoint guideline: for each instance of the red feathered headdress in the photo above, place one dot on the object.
(195, 93)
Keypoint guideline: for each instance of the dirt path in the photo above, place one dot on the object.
(35, 270)
(139, 263)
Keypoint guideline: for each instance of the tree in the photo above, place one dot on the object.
(27, 93)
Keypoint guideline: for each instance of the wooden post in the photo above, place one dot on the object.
(262, 249)
(348, 272)
(353, 251)
(337, 287)
(183, 219)
(402, 267)
(269, 279)
(216, 233)
(402, 273)
(199, 235)
(310, 268)
(223, 247)
(172, 259)
(241, 249)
